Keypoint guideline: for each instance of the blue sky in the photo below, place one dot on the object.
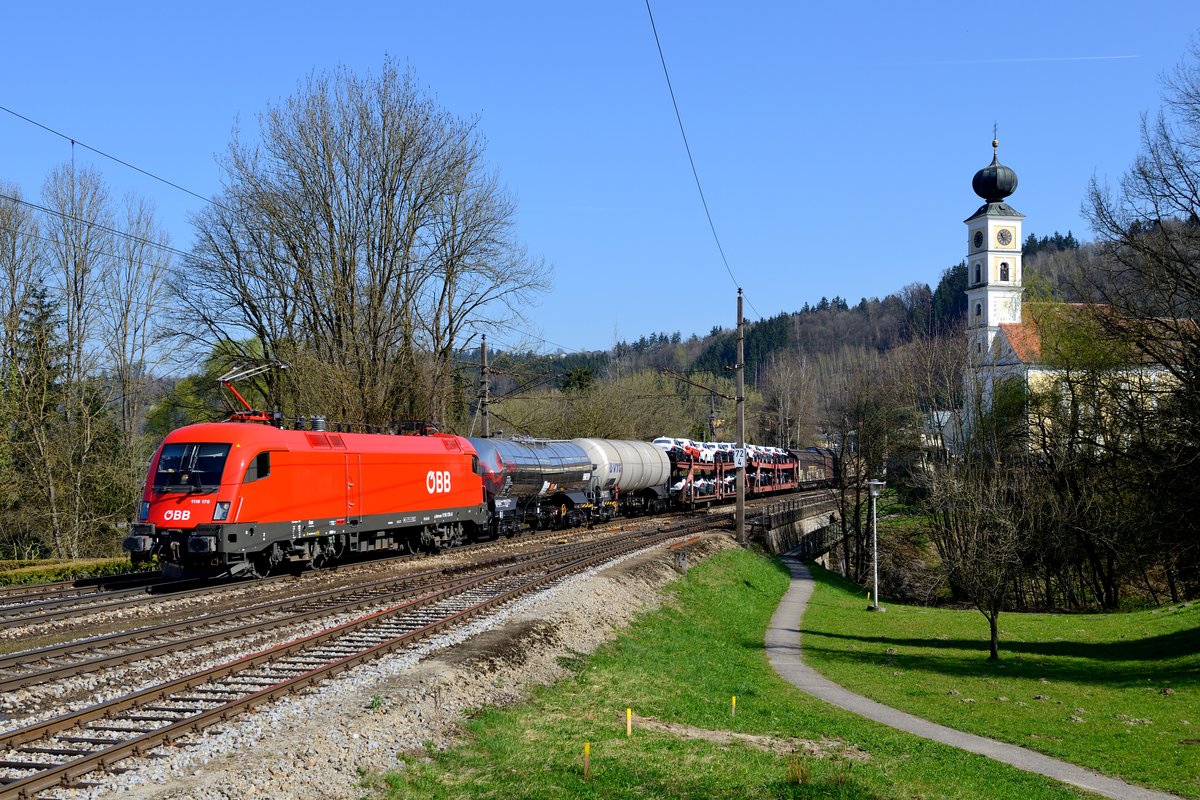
(835, 141)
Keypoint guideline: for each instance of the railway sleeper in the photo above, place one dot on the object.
(173, 710)
(120, 730)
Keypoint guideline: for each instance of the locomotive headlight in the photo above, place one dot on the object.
(221, 512)
(144, 511)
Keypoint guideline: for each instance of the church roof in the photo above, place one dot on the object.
(994, 183)
(996, 209)
(1025, 339)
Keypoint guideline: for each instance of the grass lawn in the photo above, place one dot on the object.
(681, 665)
(1119, 693)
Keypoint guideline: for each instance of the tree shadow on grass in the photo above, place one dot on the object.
(1160, 658)
(1061, 661)
(1177, 644)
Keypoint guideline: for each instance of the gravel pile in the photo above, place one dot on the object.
(319, 744)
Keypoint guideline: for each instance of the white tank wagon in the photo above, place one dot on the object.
(630, 475)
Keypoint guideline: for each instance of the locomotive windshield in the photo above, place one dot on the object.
(190, 467)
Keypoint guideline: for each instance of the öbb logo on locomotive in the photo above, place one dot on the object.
(416, 492)
(437, 482)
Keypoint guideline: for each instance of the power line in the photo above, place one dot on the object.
(94, 224)
(120, 161)
(691, 160)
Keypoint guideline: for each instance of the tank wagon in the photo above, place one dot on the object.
(566, 483)
(629, 476)
(540, 483)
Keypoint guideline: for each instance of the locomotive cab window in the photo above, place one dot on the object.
(259, 468)
(475, 468)
(190, 467)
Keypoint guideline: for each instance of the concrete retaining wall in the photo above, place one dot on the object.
(809, 532)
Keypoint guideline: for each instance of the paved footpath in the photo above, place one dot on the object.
(783, 648)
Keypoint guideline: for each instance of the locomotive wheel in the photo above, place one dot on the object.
(261, 564)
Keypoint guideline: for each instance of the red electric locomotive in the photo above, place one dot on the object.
(242, 498)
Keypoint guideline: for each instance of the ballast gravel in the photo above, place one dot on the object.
(321, 743)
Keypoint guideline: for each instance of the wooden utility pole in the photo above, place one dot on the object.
(740, 514)
(712, 416)
(483, 386)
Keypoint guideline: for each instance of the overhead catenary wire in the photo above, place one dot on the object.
(692, 161)
(92, 223)
(111, 157)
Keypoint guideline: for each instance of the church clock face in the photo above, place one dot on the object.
(1004, 237)
(978, 239)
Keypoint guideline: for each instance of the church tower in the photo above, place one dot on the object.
(993, 260)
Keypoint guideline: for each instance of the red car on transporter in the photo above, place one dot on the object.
(238, 497)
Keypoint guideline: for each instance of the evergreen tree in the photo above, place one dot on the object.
(950, 299)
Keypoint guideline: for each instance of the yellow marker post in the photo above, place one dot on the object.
(733, 707)
(587, 759)
(628, 722)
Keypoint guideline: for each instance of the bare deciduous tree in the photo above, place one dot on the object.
(21, 265)
(789, 415)
(1146, 276)
(976, 521)
(363, 237)
(80, 267)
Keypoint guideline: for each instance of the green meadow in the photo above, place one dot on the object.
(1119, 693)
(679, 667)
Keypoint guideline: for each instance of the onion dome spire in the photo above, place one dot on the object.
(995, 181)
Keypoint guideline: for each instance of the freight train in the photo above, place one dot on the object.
(237, 497)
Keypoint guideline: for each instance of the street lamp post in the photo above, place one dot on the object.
(875, 487)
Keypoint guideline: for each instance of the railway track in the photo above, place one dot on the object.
(15, 596)
(60, 751)
(37, 667)
(38, 603)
